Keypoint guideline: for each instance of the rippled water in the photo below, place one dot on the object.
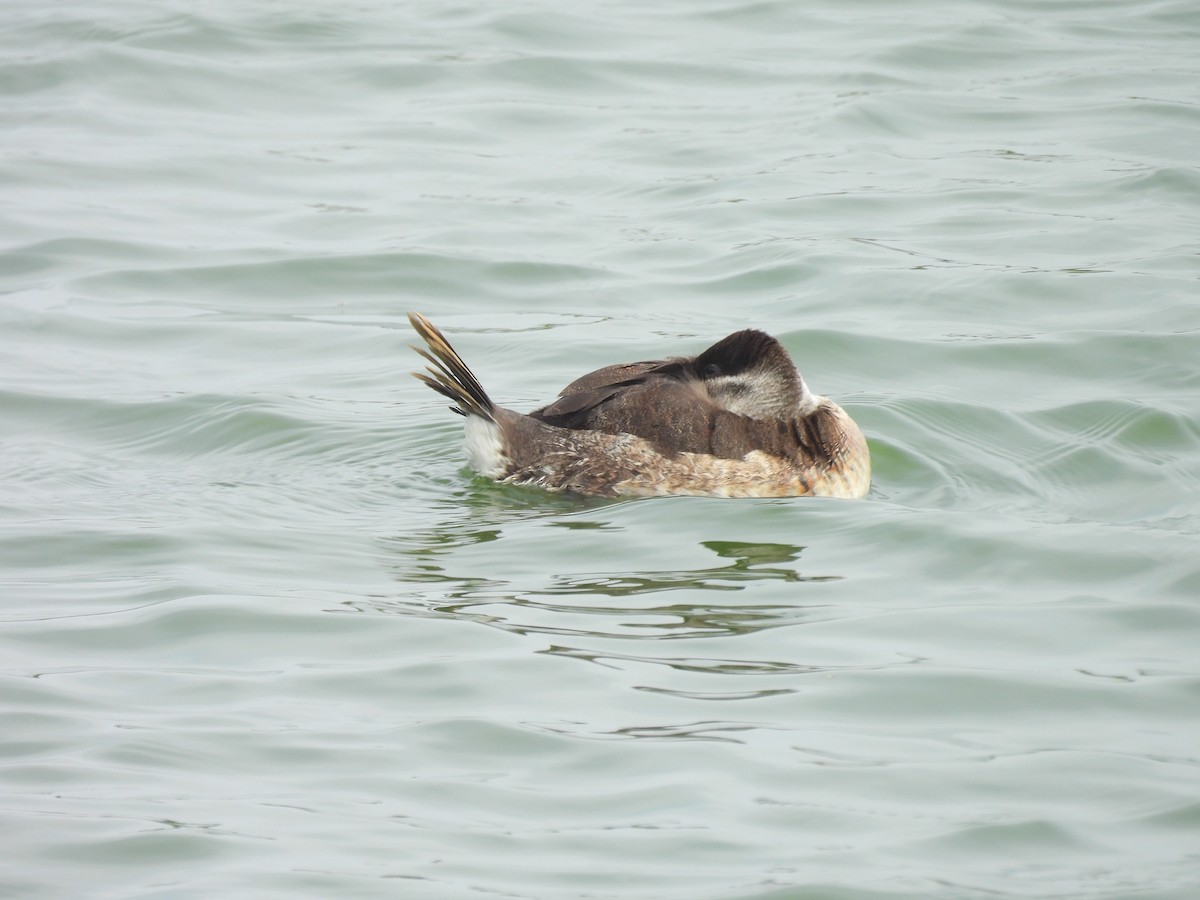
(264, 636)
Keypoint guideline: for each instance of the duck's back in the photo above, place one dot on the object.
(647, 400)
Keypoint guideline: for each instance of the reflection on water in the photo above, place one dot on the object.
(748, 565)
(690, 731)
(587, 612)
(716, 666)
(691, 664)
(431, 588)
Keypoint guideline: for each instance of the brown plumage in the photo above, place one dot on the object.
(735, 421)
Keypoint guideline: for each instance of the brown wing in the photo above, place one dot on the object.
(621, 373)
(578, 398)
(656, 401)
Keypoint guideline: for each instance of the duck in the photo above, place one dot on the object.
(736, 420)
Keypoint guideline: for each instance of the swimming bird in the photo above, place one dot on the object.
(735, 421)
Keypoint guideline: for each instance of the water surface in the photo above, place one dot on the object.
(263, 634)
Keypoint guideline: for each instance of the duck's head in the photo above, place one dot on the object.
(751, 374)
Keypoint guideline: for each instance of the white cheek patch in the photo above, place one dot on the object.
(485, 451)
(759, 395)
(808, 400)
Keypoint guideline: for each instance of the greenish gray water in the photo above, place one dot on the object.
(262, 634)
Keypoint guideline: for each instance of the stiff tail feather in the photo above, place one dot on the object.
(448, 374)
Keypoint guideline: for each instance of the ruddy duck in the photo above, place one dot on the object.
(735, 421)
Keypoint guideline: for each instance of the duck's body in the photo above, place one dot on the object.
(735, 421)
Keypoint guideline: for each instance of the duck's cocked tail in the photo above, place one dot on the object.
(449, 375)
